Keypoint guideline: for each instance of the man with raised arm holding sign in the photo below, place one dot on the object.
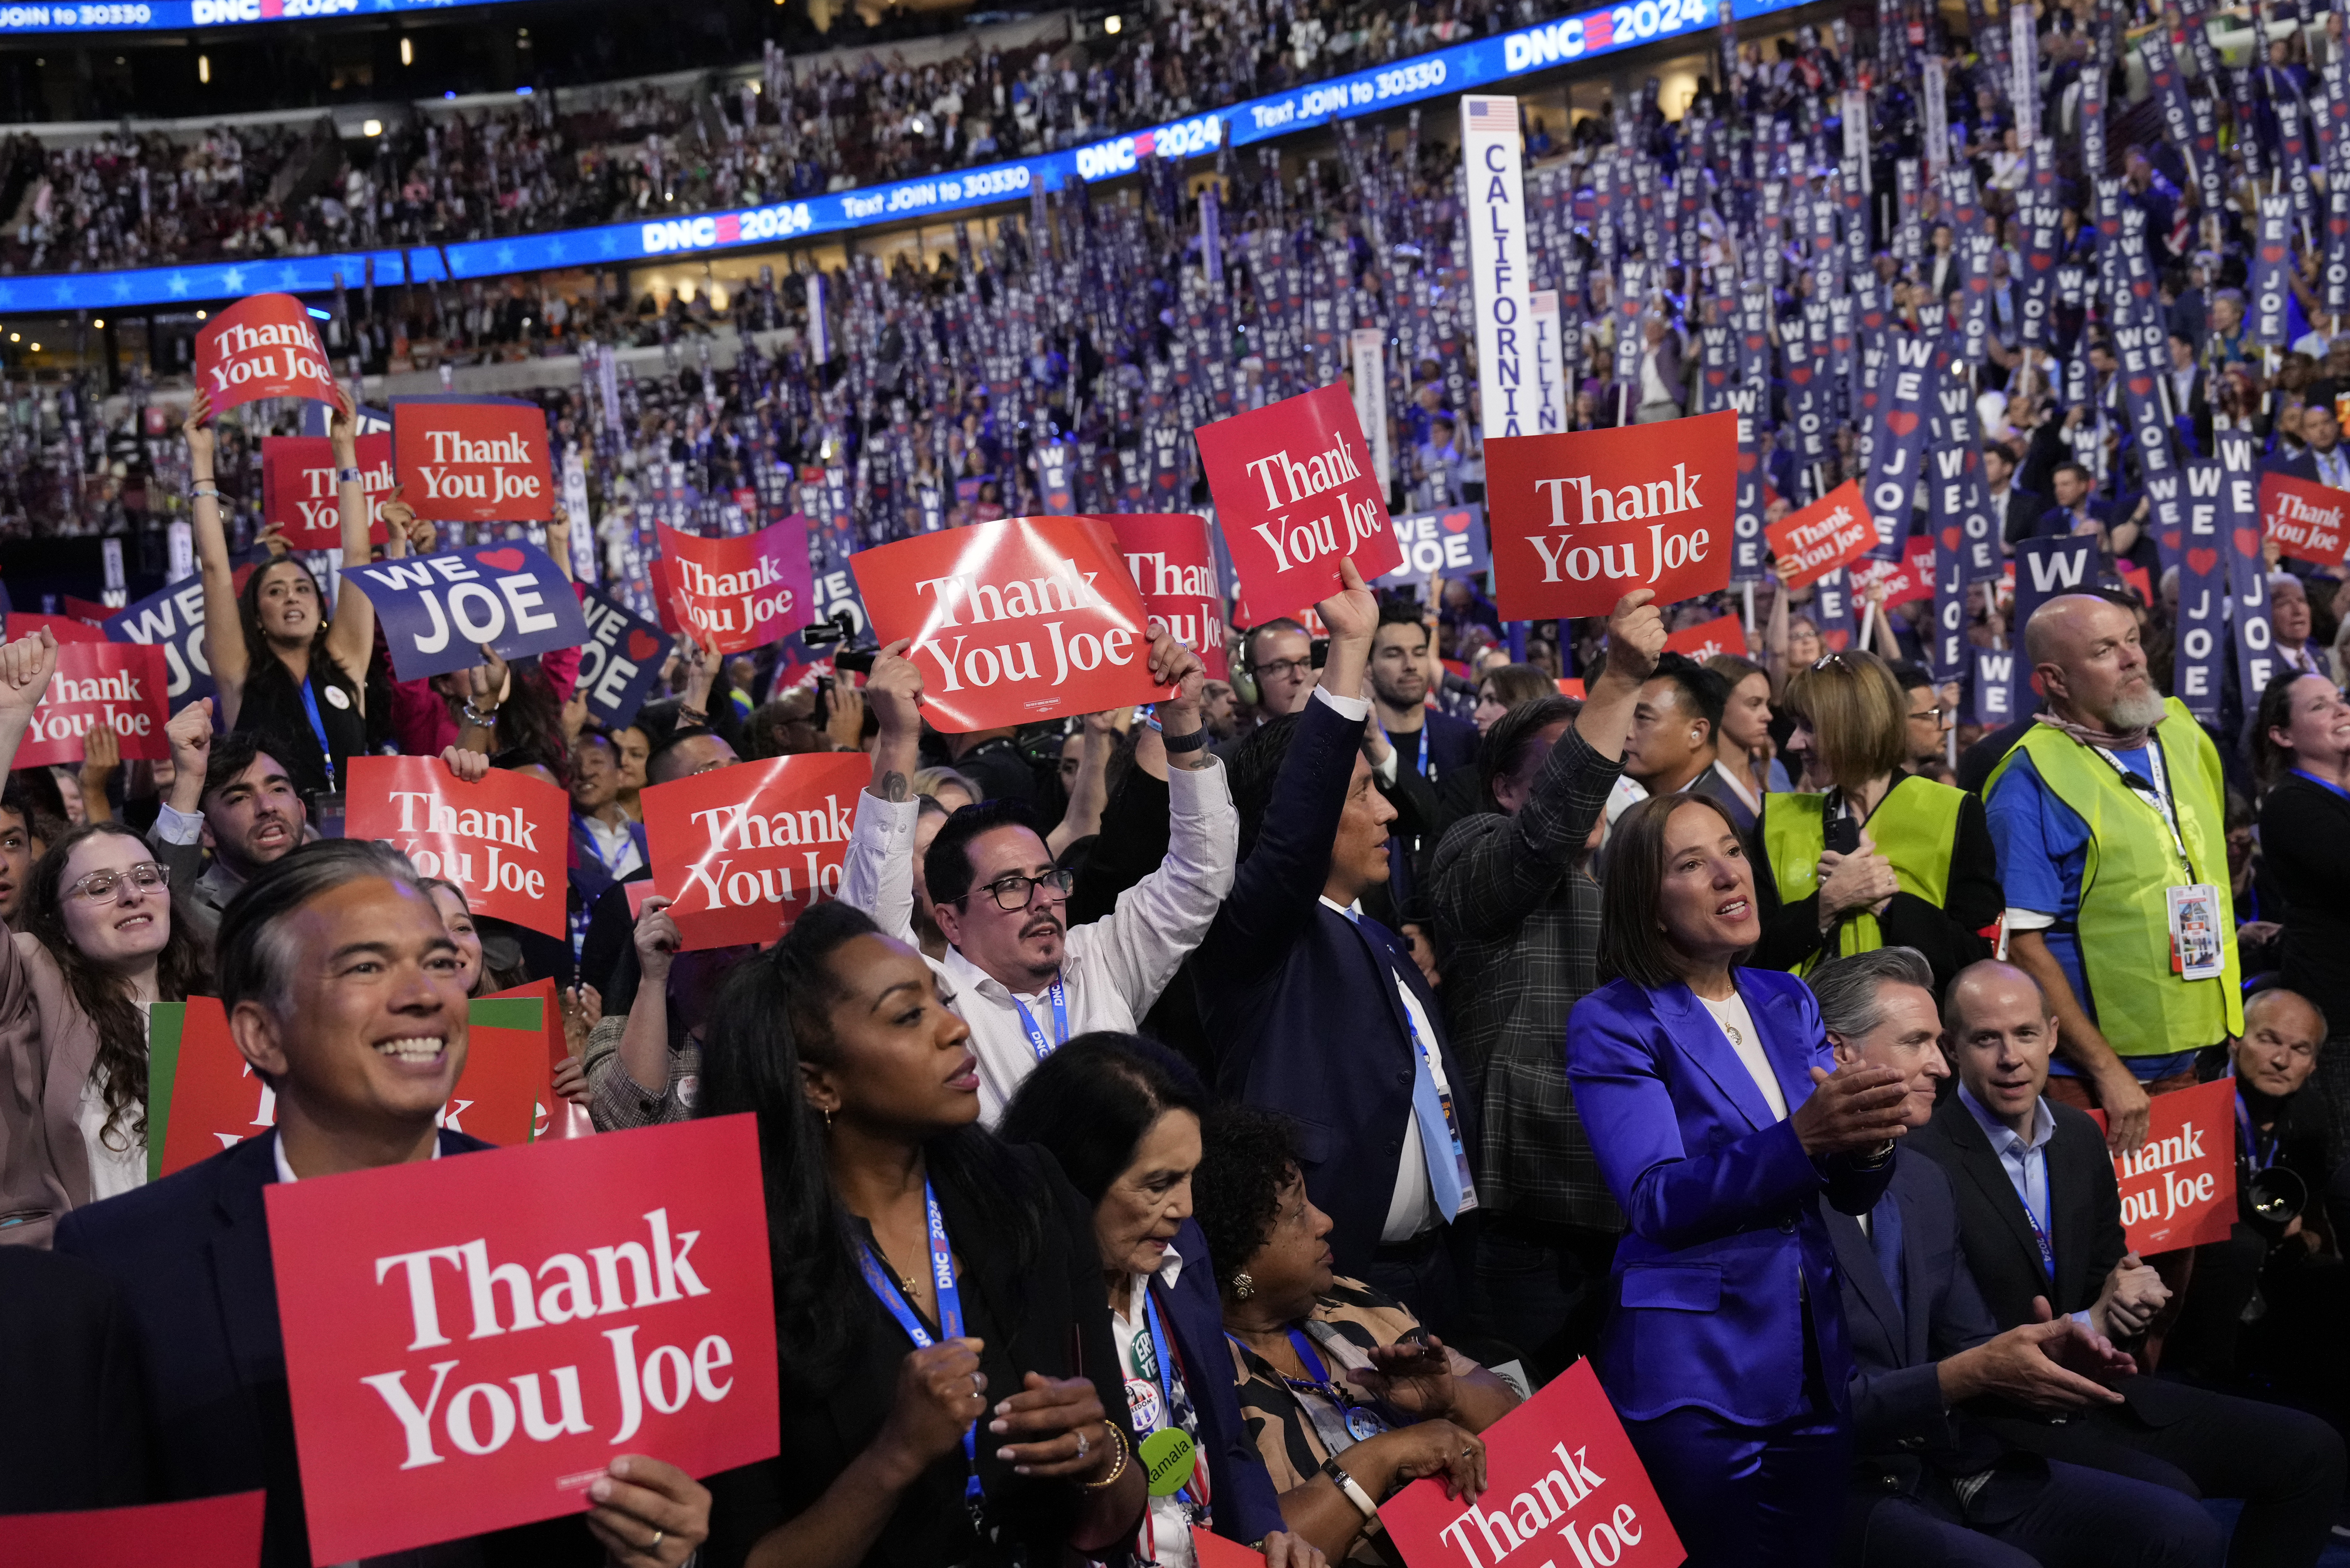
(1020, 976)
(342, 990)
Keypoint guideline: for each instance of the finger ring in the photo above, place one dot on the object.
(1081, 1444)
(978, 1384)
(654, 1544)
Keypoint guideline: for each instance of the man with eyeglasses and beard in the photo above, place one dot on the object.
(1023, 978)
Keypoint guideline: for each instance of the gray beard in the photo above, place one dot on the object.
(2137, 712)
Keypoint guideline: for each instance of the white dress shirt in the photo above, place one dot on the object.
(1171, 1521)
(1112, 969)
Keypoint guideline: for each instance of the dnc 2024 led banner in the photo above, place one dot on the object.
(178, 16)
(1460, 67)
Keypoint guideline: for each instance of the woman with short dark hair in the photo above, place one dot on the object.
(1122, 1115)
(1349, 1397)
(949, 1385)
(2301, 743)
(1706, 1089)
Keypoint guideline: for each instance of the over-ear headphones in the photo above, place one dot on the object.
(1244, 685)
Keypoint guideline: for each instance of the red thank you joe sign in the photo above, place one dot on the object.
(1558, 1468)
(470, 1341)
(1834, 531)
(2178, 1188)
(746, 850)
(473, 462)
(297, 488)
(503, 840)
(1173, 564)
(202, 1533)
(2309, 522)
(1723, 633)
(116, 683)
(1295, 496)
(1578, 520)
(263, 345)
(733, 594)
(1014, 621)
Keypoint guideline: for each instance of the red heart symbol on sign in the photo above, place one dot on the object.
(1454, 521)
(642, 644)
(506, 560)
(2337, 225)
(2201, 561)
(2273, 253)
(2042, 260)
(2248, 543)
(1950, 539)
(1901, 421)
(1754, 341)
(2141, 385)
(1977, 284)
(1873, 320)
(1799, 374)
(1716, 377)
(1746, 462)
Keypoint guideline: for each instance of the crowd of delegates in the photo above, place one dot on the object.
(606, 153)
(1320, 1061)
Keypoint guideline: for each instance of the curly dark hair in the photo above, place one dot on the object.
(1247, 1156)
(181, 970)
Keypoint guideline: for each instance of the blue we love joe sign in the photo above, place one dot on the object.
(438, 612)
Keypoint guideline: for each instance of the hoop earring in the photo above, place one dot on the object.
(1244, 1287)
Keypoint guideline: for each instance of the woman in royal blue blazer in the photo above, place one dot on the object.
(1719, 1114)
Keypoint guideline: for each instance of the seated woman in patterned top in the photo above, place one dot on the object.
(1347, 1395)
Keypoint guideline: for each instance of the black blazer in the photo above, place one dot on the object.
(1051, 1317)
(76, 1434)
(2084, 1206)
(190, 1254)
(1300, 1002)
(1245, 1506)
(2313, 876)
(1901, 1430)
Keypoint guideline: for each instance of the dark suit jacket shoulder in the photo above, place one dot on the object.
(2085, 1201)
(70, 1369)
(191, 1255)
(1247, 1507)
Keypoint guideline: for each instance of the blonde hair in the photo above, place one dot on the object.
(1857, 714)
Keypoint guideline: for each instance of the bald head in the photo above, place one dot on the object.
(2085, 651)
(2278, 1050)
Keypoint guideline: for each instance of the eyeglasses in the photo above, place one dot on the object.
(1282, 668)
(100, 886)
(1013, 892)
(1934, 714)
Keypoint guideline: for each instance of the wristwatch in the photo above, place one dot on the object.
(347, 476)
(1178, 744)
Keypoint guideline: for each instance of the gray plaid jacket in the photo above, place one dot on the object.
(1517, 913)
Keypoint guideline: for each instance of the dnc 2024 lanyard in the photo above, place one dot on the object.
(877, 1280)
(1036, 1041)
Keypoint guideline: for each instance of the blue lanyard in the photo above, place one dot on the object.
(2243, 1117)
(1308, 1358)
(611, 863)
(318, 728)
(879, 1282)
(2039, 1232)
(2323, 784)
(1166, 1369)
(1036, 1041)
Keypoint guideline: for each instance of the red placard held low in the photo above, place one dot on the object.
(746, 850)
(503, 840)
(1723, 633)
(2309, 522)
(740, 593)
(1903, 581)
(1173, 564)
(1014, 621)
(480, 462)
(202, 1533)
(1577, 521)
(216, 1101)
(64, 628)
(297, 488)
(2178, 1188)
(116, 683)
(1831, 532)
(470, 1342)
(1558, 1469)
(263, 345)
(1295, 496)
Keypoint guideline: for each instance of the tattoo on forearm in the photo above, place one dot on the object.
(895, 788)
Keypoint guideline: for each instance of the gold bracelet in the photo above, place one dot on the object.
(1116, 1469)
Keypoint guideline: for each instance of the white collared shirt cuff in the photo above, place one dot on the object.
(1355, 708)
(2028, 920)
(178, 826)
(1196, 792)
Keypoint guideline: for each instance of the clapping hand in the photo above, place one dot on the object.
(1413, 1375)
